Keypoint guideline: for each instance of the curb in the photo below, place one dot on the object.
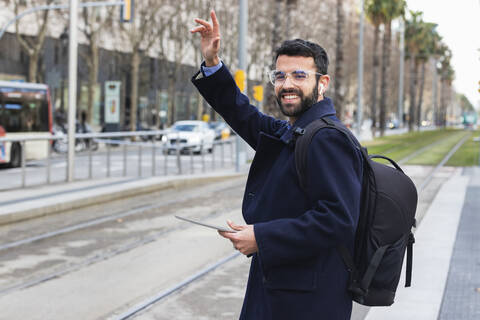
(79, 199)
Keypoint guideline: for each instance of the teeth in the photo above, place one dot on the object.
(290, 97)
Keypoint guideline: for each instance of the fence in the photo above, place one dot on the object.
(104, 154)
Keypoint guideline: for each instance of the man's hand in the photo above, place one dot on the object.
(210, 41)
(243, 240)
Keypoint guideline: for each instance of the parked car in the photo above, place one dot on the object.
(222, 130)
(191, 135)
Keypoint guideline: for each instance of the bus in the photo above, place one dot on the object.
(25, 111)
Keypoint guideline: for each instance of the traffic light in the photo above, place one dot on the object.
(258, 93)
(240, 79)
(127, 11)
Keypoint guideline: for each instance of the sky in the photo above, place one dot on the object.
(459, 25)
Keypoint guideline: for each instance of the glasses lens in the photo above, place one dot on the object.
(299, 75)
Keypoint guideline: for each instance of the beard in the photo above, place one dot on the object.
(297, 109)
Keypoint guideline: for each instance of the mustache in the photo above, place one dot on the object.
(285, 91)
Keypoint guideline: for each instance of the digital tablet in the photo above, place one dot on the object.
(219, 228)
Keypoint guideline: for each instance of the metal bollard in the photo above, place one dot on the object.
(165, 163)
(179, 162)
(213, 157)
(90, 162)
(49, 155)
(154, 154)
(140, 160)
(125, 160)
(191, 160)
(108, 160)
(22, 153)
(203, 158)
(223, 154)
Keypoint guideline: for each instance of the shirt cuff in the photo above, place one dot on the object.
(208, 71)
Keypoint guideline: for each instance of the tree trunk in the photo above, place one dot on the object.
(376, 63)
(271, 101)
(135, 64)
(338, 96)
(171, 100)
(92, 80)
(420, 96)
(33, 67)
(384, 76)
(413, 86)
(443, 104)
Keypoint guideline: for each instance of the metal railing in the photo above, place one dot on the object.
(179, 157)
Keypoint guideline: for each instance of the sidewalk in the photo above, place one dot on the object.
(446, 270)
(446, 263)
(22, 204)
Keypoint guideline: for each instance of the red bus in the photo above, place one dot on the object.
(25, 111)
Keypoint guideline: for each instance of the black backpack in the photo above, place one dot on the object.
(387, 215)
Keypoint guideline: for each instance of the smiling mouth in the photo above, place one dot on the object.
(290, 97)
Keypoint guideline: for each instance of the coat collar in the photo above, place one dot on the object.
(318, 110)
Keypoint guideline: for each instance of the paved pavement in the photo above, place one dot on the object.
(446, 275)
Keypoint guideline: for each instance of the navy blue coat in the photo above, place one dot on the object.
(297, 273)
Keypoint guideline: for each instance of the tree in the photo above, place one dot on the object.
(32, 45)
(447, 75)
(93, 23)
(429, 40)
(141, 34)
(391, 9)
(374, 14)
(339, 95)
(413, 38)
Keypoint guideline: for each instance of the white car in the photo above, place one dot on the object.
(189, 135)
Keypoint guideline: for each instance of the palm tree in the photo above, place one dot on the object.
(391, 9)
(447, 75)
(339, 96)
(413, 28)
(428, 47)
(374, 14)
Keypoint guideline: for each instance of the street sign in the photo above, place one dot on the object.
(127, 11)
(240, 78)
(112, 101)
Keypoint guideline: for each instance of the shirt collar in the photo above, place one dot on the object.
(322, 108)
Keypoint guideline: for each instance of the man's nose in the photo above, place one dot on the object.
(288, 82)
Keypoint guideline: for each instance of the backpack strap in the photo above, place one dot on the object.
(303, 138)
(408, 271)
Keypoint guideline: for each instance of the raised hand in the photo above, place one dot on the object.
(210, 39)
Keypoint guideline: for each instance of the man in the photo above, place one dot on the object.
(291, 233)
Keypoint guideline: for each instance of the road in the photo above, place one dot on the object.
(100, 271)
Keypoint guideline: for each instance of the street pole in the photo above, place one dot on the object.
(400, 76)
(242, 65)
(72, 87)
(360, 72)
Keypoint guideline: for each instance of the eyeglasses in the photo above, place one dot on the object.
(278, 78)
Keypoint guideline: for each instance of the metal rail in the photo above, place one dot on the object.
(111, 139)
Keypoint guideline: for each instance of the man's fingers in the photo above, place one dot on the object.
(214, 19)
(235, 226)
(204, 23)
(198, 29)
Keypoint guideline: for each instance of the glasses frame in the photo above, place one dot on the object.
(271, 74)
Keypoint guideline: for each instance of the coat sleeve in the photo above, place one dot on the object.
(221, 92)
(334, 174)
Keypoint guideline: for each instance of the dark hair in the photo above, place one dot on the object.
(304, 48)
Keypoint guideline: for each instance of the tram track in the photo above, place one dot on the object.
(136, 243)
(149, 302)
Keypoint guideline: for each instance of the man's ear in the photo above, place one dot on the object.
(323, 84)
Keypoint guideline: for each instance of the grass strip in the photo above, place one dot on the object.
(468, 154)
(400, 146)
(434, 155)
